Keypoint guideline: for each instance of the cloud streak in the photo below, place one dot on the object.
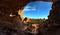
(29, 8)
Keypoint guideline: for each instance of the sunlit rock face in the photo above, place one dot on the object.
(27, 20)
(21, 13)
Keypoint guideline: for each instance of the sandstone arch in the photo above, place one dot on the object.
(8, 6)
(8, 23)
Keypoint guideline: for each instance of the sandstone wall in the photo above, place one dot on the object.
(11, 24)
(54, 13)
(8, 23)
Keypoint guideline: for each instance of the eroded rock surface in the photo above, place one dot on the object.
(54, 19)
(11, 25)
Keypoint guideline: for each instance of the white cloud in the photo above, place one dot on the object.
(29, 8)
(26, 9)
(33, 9)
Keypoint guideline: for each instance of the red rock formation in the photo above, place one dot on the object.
(12, 6)
(7, 22)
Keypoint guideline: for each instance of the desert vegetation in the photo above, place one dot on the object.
(34, 26)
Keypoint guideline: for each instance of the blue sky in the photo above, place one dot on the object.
(38, 9)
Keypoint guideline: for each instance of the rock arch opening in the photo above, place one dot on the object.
(37, 9)
(7, 24)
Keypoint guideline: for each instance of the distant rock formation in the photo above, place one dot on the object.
(26, 20)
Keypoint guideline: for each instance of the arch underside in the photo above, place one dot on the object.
(8, 6)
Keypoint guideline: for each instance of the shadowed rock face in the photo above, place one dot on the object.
(15, 3)
(54, 17)
(11, 25)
